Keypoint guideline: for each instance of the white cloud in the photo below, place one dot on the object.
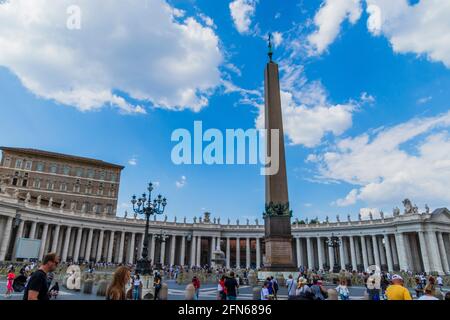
(424, 100)
(308, 115)
(365, 213)
(411, 160)
(151, 52)
(242, 12)
(181, 183)
(422, 28)
(328, 20)
(133, 161)
(277, 38)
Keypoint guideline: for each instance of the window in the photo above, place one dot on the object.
(76, 187)
(100, 189)
(109, 209)
(7, 162)
(28, 165)
(113, 177)
(18, 164)
(66, 170)
(90, 174)
(15, 180)
(80, 172)
(50, 185)
(53, 168)
(37, 183)
(102, 175)
(63, 186)
(25, 180)
(40, 167)
(98, 208)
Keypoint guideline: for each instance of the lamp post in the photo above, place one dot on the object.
(145, 206)
(334, 242)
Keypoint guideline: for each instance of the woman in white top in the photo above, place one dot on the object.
(265, 291)
(428, 293)
(137, 285)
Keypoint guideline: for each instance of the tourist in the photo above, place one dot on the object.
(37, 286)
(196, 284)
(137, 286)
(265, 295)
(275, 287)
(232, 287)
(291, 286)
(384, 284)
(222, 291)
(318, 291)
(9, 285)
(270, 285)
(373, 288)
(116, 290)
(440, 282)
(396, 291)
(303, 291)
(342, 290)
(447, 296)
(157, 284)
(54, 291)
(428, 293)
(418, 288)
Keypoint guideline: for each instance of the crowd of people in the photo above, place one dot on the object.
(35, 281)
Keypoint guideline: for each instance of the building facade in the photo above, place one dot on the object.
(408, 241)
(60, 181)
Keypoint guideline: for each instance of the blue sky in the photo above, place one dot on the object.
(364, 88)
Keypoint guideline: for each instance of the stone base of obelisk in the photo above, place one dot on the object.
(279, 256)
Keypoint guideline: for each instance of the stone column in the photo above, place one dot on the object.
(33, 230)
(247, 253)
(364, 253)
(162, 257)
(100, 246)
(401, 251)
(238, 253)
(110, 247)
(331, 257)
(192, 257)
(152, 249)
(320, 252)
(66, 244)
(132, 248)
(435, 256)
(76, 253)
(55, 238)
(228, 253)
(382, 251)
(388, 253)
(213, 247)
(258, 253)
(353, 253)
(6, 238)
(89, 245)
(297, 247)
(199, 250)
(443, 252)
(141, 246)
(309, 249)
(341, 253)
(424, 252)
(173, 242)
(18, 236)
(183, 250)
(121, 246)
(376, 252)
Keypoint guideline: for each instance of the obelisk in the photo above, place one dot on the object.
(277, 216)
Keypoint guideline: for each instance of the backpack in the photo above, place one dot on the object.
(275, 285)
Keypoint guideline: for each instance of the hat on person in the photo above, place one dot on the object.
(397, 277)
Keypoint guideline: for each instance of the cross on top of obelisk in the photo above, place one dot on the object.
(270, 48)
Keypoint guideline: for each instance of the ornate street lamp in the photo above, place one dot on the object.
(145, 206)
(334, 242)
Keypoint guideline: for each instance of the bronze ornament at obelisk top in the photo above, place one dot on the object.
(277, 216)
